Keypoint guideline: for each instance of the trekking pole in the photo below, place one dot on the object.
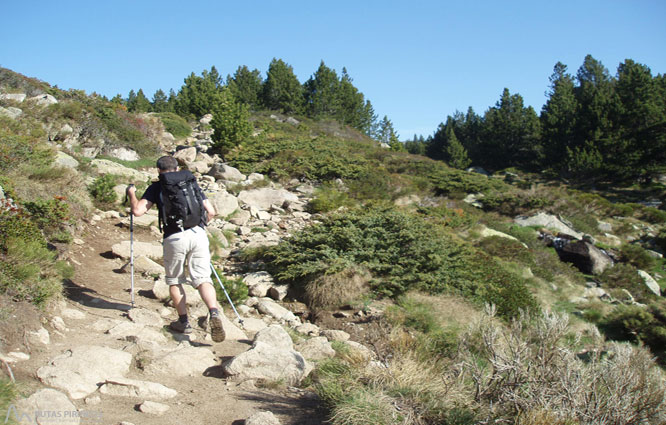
(131, 251)
(227, 294)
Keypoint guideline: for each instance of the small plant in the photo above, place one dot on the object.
(626, 276)
(101, 189)
(327, 198)
(637, 256)
(236, 288)
(175, 124)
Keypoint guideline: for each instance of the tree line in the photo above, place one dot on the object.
(593, 125)
(324, 95)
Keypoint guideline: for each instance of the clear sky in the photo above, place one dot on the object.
(416, 61)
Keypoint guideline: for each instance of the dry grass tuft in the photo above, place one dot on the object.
(334, 290)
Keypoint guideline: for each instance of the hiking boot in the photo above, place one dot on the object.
(216, 330)
(181, 327)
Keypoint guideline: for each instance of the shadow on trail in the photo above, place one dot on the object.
(91, 298)
(300, 410)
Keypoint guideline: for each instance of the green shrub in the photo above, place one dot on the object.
(653, 215)
(28, 272)
(401, 251)
(50, 215)
(505, 248)
(637, 256)
(17, 225)
(23, 148)
(236, 288)
(638, 324)
(328, 197)
(626, 276)
(101, 189)
(175, 124)
(456, 218)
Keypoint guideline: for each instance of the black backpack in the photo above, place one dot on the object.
(181, 201)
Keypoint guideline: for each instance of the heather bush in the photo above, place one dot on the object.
(175, 124)
(101, 189)
(637, 256)
(625, 276)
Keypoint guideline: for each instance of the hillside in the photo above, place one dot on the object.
(432, 294)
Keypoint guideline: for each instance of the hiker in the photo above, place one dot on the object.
(184, 211)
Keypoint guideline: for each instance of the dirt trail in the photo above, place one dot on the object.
(100, 291)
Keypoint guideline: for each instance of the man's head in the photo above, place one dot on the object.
(167, 164)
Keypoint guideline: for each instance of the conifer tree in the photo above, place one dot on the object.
(558, 117)
(246, 85)
(322, 93)
(457, 155)
(197, 96)
(160, 101)
(282, 91)
(230, 122)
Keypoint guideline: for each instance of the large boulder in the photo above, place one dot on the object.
(224, 203)
(271, 308)
(17, 97)
(80, 369)
(262, 418)
(186, 155)
(124, 154)
(226, 172)
(317, 348)
(263, 198)
(264, 361)
(184, 361)
(104, 166)
(44, 100)
(11, 112)
(258, 283)
(275, 336)
(548, 221)
(65, 160)
(585, 256)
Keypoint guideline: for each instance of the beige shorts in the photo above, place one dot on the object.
(187, 257)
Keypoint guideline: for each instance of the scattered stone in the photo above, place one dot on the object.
(335, 335)
(58, 324)
(44, 100)
(144, 317)
(651, 284)
(488, 232)
(124, 154)
(18, 97)
(473, 199)
(275, 336)
(262, 418)
(93, 400)
(258, 283)
(104, 166)
(478, 170)
(604, 226)
(317, 348)
(263, 198)
(224, 203)
(78, 370)
(361, 349)
(65, 160)
(186, 155)
(226, 172)
(46, 400)
(39, 337)
(547, 221)
(144, 265)
(241, 218)
(276, 311)
(125, 387)
(308, 329)
(11, 112)
(596, 293)
(206, 119)
(150, 250)
(278, 292)
(153, 408)
(253, 325)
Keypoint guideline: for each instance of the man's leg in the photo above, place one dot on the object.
(179, 298)
(175, 249)
(208, 295)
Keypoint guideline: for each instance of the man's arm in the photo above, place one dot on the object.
(138, 206)
(209, 209)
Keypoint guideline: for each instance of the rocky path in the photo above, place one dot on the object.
(99, 361)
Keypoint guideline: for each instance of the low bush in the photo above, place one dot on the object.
(626, 276)
(51, 216)
(236, 288)
(101, 189)
(402, 251)
(175, 124)
(638, 325)
(328, 197)
(637, 256)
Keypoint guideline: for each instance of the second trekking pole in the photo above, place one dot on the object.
(131, 251)
(227, 294)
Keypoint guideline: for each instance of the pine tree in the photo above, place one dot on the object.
(230, 122)
(246, 86)
(197, 96)
(558, 117)
(322, 93)
(457, 155)
(160, 100)
(385, 132)
(282, 91)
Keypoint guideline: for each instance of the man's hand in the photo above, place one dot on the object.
(131, 190)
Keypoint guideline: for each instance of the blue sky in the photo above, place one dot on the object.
(416, 61)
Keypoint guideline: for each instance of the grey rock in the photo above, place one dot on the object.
(651, 284)
(278, 292)
(136, 332)
(124, 154)
(46, 400)
(473, 199)
(150, 250)
(185, 156)
(478, 170)
(604, 226)
(144, 265)
(65, 160)
(308, 329)
(263, 198)
(38, 337)
(266, 362)
(548, 221)
(145, 317)
(317, 348)
(275, 336)
(44, 100)
(226, 172)
(335, 335)
(206, 119)
(276, 311)
(153, 408)
(11, 112)
(240, 218)
(125, 387)
(224, 203)
(262, 418)
(17, 97)
(79, 369)
(258, 283)
(104, 166)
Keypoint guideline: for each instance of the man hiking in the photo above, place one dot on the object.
(184, 211)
